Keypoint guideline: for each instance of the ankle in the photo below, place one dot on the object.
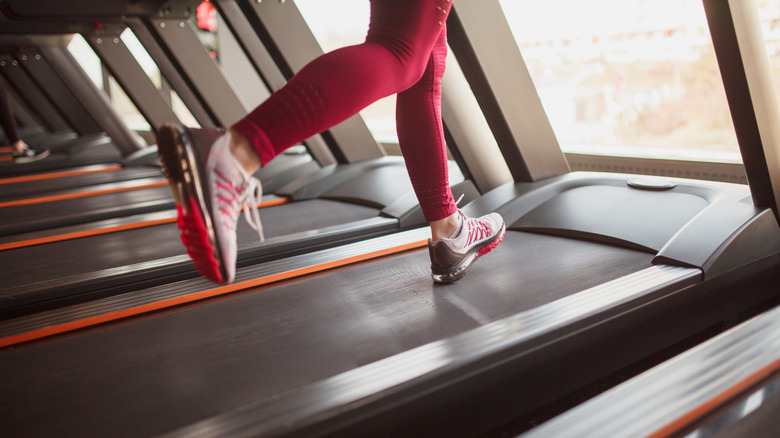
(19, 146)
(243, 152)
(444, 228)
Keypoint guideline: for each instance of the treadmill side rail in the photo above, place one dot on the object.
(717, 243)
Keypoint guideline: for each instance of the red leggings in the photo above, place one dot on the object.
(405, 53)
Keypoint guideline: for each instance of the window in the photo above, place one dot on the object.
(769, 13)
(627, 77)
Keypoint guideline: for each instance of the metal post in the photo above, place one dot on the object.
(290, 42)
(200, 69)
(95, 104)
(470, 132)
(266, 67)
(744, 66)
(491, 61)
(126, 70)
(54, 86)
(171, 74)
(46, 111)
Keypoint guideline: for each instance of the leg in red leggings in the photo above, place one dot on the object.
(404, 52)
(421, 137)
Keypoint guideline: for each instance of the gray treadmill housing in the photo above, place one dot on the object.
(46, 9)
(711, 226)
(381, 183)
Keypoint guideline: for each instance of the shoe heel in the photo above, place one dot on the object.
(202, 140)
(168, 139)
(178, 157)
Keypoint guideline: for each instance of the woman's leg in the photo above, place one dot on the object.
(340, 83)
(457, 240)
(330, 89)
(421, 137)
(21, 152)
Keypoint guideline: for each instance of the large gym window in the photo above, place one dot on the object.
(769, 13)
(627, 77)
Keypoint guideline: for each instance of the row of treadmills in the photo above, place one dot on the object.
(617, 305)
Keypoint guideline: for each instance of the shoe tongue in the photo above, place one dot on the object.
(244, 175)
(460, 227)
(225, 138)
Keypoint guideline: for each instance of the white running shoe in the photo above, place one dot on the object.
(209, 196)
(452, 257)
(30, 155)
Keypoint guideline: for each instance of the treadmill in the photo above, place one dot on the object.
(336, 205)
(358, 192)
(44, 203)
(320, 343)
(357, 340)
(81, 130)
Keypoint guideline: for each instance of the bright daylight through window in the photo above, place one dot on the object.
(641, 80)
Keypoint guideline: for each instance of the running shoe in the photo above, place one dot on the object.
(211, 188)
(30, 155)
(452, 257)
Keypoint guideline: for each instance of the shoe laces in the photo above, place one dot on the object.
(460, 198)
(477, 230)
(232, 198)
(248, 200)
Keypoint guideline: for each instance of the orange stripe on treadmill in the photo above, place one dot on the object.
(6, 149)
(7, 158)
(273, 202)
(52, 198)
(203, 295)
(80, 234)
(108, 230)
(699, 412)
(62, 174)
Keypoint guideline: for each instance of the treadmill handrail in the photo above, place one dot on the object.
(674, 394)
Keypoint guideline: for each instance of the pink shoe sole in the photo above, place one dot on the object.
(200, 248)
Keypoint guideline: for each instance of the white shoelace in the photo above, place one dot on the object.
(248, 200)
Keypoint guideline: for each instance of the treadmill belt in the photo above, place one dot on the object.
(159, 373)
(309, 215)
(33, 217)
(45, 187)
(91, 254)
